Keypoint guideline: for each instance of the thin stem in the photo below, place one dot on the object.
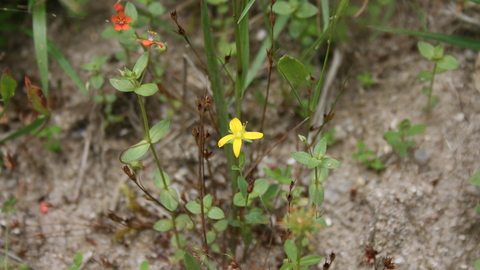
(429, 101)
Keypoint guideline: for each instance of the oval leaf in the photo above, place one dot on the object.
(194, 207)
(159, 130)
(136, 151)
(215, 213)
(163, 225)
(317, 193)
(292, 69)
(146, 89)
(169, 198)
(158, 181)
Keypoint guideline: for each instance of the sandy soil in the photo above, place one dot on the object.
(419, 210)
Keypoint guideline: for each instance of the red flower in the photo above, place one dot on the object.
(121, 21)
(150, 41)
(118, 7)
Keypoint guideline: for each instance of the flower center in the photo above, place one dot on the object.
(238, 134)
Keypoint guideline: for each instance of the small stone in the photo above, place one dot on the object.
(422, 156)
(459, 117)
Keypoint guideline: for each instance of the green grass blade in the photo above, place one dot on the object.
(217, 88)
(449, 39)
(280, 23)
(341, 7)
(24, 130)
(242, 41)
(475, 1)
(63, 62)
(325, 14)
(39, 26)
(245, 10)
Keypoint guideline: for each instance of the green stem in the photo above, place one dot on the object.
(429, 101)
(7, 232)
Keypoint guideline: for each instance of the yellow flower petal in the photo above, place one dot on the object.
(225, 139)
(252, 135)
(236, 125)
(237, 145)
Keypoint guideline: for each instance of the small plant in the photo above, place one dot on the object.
(475, 180)
(363, 156)
(52, 144)
(442, 64)
(366, 79)
(8, 208)
(77, 262)
(397, 139)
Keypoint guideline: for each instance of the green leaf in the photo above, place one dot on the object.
(123, 84)
(239, 200)
(155, 8)
(215, 213)
(330, 163)
(283, 8)
(293, 70)
(131, 11)
(169, 198)
(476, 263)
(144, 265)
(207, 201)
(77, 261)
(291, 250)
(313, 162)
(425, 75)
(37, 98)
(320, 149)
(475, 179)
(426, 90)
(287, 266)
(159, 130)
(438, 52)
(259, 188)
(448, 63)
(416, 129)
(322, 174)
(147, 89)
(211, 236)
(24, 130)
(221, 225)
(245, 10)
(136, 151)
(163, 225)
(316, 193)
(194, 207)
(310, 260)
(183, 221)
(140, 65)
(306, 10)
(158, 181)
(477, 209)
(468, 43)
(392, 136)
(7, 89)
(190, 262)
(256, 218)
(39, 26)
(242, 185)
(97, 80)
(301, 157)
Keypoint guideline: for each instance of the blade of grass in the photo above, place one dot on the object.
(217, 89)
(449, 39)
(245, 11)
(39, 26)
(62, 61)
(325, 14)
(341, 7)
(243, 54)
(262, 52)
(24, 130)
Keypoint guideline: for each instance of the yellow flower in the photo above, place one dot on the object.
(238, 134)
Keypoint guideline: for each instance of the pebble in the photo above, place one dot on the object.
(422, 156)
